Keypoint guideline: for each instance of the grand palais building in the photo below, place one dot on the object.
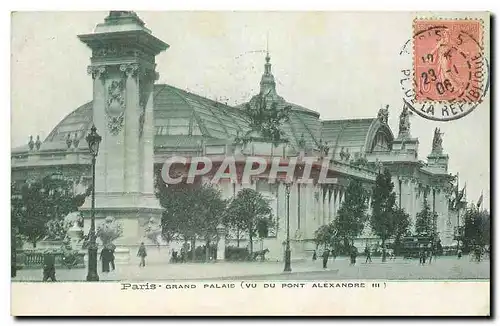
(142, 124)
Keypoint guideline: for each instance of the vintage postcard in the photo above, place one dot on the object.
(250, 163)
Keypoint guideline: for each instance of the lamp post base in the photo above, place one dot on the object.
(288, 267)
(92, 275)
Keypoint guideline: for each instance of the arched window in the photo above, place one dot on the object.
(381, 143)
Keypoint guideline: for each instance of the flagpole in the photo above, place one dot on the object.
(458, 213)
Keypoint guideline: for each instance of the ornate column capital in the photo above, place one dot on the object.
(96, 72)
(130, 69)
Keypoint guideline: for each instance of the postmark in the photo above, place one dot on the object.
(447, 60)
(449, 76)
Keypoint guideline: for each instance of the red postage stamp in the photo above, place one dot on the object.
(448, 60)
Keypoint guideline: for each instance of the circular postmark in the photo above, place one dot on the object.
(449, 73)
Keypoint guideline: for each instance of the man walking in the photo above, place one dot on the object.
(105, 259)
(368, 255)
(326, 255)
(353, 254)
(142, 254)
(112, 256)
(49, 267)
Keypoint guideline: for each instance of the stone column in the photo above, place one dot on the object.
(330, 204)
(148, 134)
(309, 220)
(335, 201)
(221, 244)
(98, 74)
(320, 205)
(132, 113)
(325, 205)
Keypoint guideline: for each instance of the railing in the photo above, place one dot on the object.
(32, 259)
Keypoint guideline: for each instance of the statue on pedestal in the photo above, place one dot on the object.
(404, 123)
(153, 231)
(109, 231)
(383, 114)
(437, 141)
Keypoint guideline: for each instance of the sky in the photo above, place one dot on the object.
(340, 64)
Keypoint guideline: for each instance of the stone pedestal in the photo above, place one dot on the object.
(221, 249)
(122, 255)
(403, 145)
(438, 163)
(75, 234)
(123, 72)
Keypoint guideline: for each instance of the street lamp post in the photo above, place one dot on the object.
(288, 253)
(93, 140)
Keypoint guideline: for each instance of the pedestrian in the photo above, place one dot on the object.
(421, 257)
(431, 253)
(478, 253)
(314, 256)
(105, 259)
(424, 257)
(49, 267)
(368, 255)
(326, 255)
(353, 254)
(142, 254)
(112, 257)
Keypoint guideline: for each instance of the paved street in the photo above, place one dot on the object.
(400, 269)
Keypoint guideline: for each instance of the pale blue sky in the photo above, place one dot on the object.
(342, 65)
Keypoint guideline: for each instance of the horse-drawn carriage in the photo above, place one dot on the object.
(412, 246)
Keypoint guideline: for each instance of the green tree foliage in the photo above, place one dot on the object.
(425, 220)
(35, 203)
(109, 230)
(402, 227)
(352, 213)
(251, 212)
(477, 228)
(386, 220)
(191, 212)
(267, 119)
(324, 235)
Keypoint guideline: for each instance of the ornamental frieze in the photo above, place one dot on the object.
(130, 69)
(115, 106)
(96, 72)
(142, 115)
(117, 51)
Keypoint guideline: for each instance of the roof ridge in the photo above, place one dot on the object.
(348, 120)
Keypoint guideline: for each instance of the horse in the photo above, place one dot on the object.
(261, 254)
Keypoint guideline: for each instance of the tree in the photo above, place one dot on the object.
(324, 235)
(248, 211)
(266, 119)
(36, 202)
(178, 218)
(425, 220)
(385, 219)
(477, 228)
(352, 213)
(191, 212)
(263, 226)
(109, 230)
(210, 205)
(402, 226)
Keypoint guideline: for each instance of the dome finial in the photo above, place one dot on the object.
(268, 58)
(267, 83)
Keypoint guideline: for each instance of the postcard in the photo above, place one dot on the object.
(185, 163)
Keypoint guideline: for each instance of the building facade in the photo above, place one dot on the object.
(143, 124)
